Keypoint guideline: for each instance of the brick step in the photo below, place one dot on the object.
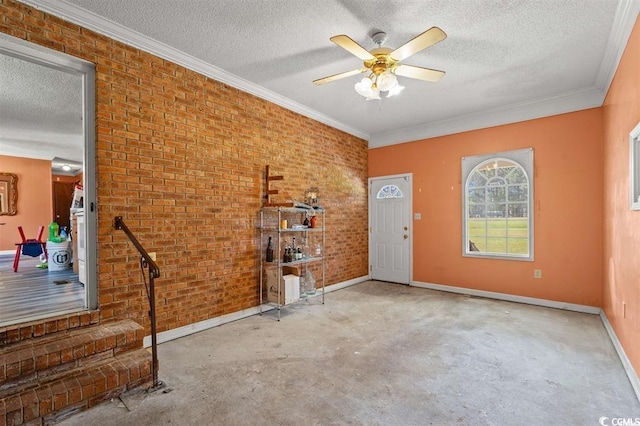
(52, 398)
(15, 333)
(29, 360)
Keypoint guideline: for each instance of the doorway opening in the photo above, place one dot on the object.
(47, 139)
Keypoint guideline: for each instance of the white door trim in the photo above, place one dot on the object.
(409, 219)
(61, 61)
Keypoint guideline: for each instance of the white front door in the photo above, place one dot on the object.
(389, 228)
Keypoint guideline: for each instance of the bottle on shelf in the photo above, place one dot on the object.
(312, 221)
(287, 254)
(294, 250)
(305, 248)
(299, 253)
(269, 251)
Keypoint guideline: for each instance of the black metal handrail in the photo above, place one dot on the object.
(154, 272)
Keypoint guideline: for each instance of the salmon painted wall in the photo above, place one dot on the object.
(621, 113)
(34, 199)
(568, 207)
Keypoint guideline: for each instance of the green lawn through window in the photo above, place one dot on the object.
(500, 235)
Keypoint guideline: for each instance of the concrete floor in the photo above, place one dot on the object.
(387, 354)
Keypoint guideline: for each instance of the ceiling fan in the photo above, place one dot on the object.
(384, 65)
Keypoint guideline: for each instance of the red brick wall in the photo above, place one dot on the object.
(182, 158)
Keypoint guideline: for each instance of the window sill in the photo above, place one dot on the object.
(499, 257)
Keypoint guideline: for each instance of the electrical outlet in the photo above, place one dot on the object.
(537, 273)
(417, 216)
(152, 255)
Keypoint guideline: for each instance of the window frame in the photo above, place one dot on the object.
(523, 158)
(634, 168)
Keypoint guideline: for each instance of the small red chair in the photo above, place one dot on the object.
(31, 247)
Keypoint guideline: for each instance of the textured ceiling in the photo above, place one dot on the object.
(40, 110)
(505, 60)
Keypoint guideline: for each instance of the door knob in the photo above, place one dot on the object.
(405, 236)
(406, 228)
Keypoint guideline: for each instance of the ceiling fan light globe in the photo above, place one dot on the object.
(363, 87)
(386, 81)
(375, 94)
(395, 90)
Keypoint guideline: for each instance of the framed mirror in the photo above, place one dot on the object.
(8, 194)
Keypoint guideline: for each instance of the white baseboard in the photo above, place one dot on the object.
(626, 363)
(345, 284)
(8, 252)
(186, 330)
(510, 298)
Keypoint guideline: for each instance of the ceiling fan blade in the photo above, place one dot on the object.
(352, 47)
(418, 43)
(338, 76)
(426, 74)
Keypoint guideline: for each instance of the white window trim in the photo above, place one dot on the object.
(634, 168)
(523, 157)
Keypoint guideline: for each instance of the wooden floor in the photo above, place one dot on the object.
(34, 293)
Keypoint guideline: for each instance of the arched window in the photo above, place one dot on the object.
(498, 194)
(389, 191)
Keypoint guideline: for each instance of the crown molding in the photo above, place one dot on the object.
(560, 104)
(118, 32)
(623, 22)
